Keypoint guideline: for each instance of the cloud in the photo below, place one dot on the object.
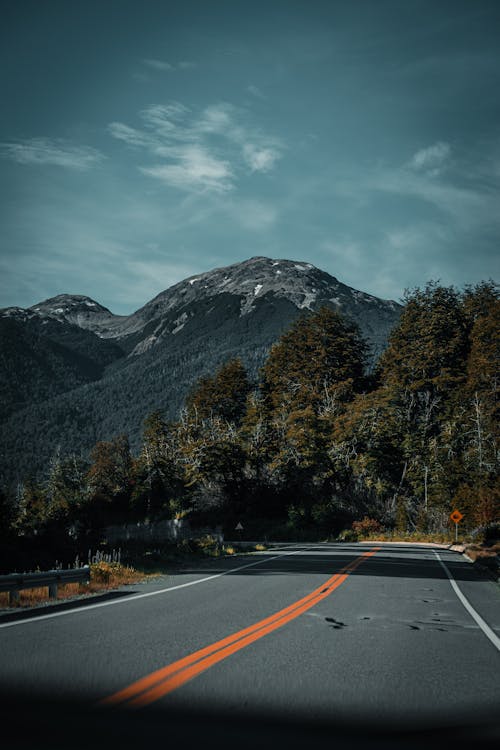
(465, 205)
(255, 91)
(431, 159)
(56, 152)
(166, 67)
(465, 194)
(203, 151)
(157, 64)
(164, 120)
(195, 169)
(260, 159)
(129, 135)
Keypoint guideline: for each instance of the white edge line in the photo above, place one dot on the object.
(470, 609)
(139, 596)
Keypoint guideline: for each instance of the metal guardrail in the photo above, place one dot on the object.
(16, 582)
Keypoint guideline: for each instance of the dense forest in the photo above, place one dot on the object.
(315, 444)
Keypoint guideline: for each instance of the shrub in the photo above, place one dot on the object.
(109, 572)
(366, 527)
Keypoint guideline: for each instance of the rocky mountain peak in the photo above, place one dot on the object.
(252, 283)
(68, 304)
(299, 282)
(77, 309)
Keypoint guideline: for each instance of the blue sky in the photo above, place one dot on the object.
(142, 142)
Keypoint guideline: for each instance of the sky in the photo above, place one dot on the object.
(144, 142)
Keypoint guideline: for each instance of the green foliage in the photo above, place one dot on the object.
(222, 396)
(315, 446)
(110, 472)
(321, 356)
(427, 350)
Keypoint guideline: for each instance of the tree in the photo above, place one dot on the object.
(32, 508)
(110, 472)
(66, 486)
(213, 462)
(222, 396)
(310, 376)
(320, 355)
(428, 348)
(157, 473)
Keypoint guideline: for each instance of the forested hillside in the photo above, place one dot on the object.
(316, 443)
(73, 373)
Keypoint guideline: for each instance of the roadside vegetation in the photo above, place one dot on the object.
(104, 576)
(318, 448)
(146, 564)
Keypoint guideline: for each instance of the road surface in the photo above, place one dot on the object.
(397, 635)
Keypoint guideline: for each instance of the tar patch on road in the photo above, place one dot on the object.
(335, 624)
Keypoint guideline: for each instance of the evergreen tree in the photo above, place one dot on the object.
(311, 374)
(320, 355)
(427, 351)
(222, 396)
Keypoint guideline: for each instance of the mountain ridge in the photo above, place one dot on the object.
(302, 283)
(107, 372)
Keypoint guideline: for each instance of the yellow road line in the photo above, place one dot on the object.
(157, 684)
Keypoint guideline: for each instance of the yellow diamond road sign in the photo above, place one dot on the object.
(456, 516)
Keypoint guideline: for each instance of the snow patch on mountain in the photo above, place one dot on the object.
(254, 281)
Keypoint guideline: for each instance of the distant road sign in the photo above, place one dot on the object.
(456, 516)
(239, 527)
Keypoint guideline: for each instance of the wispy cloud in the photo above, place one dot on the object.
(54, 152)
(209, 150)
(431, 159)
(157, 64)
(255, 91)
(260, 159)
(465, 205)
(464, 190)
(165, 67)
(194, 169)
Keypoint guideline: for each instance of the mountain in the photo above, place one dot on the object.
(72, 372)
(42, 356)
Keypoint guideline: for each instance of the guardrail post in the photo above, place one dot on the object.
(13, 597)
(53, 590)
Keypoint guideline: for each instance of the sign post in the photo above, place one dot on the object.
(456, 517)
(239, 528)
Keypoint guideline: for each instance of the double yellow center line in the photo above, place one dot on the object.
(169, 678)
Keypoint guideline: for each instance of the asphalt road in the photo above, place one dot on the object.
(324, 632)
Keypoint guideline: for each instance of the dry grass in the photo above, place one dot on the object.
(410, 537)
(103, 577)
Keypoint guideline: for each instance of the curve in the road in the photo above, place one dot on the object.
(169, 678)
(470, 609)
